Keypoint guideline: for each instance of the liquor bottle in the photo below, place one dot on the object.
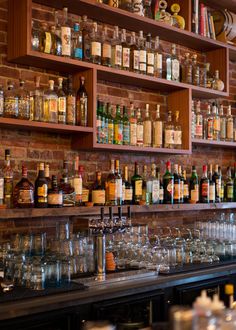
(96, 46)
(217, 180)
(177, 185)
(23, 102)
(126, 127)
(222, 187)
(1, 101)
(77, 42)
(169, 132)
(66, 187)
(133, 126)
(45, 42)
(50, 104)
(194, 187)
(56, 48)
(172, 65)
(168, 185)
(85, 27)
(82, 104)
(137, 183)
(8, 180)
(216, 122)
(118, 127)
(229, 125)
(187, 70)
(125, 51)
(222, 123)
(146, 187)
(111, 186)
(193, 120)
(47, 175)
(181, 184)
(196, 71)
(119, 182)
(23, 193)
(177, 132)
(61, 103)
(147, 8)
(10, 102)
(70, 104)
(55, 195)
(58, 42)
(198, 122)
(161, 191)
(134, 53)
(105, 120)
(99, 122)
(77, 182)
(102, 118)
(212, 187)
(155, 185)
(41, 189)
(36, 101)
(157, 130)
(217, 83)
(147, 129)
(204, 186)
(98, 191)
(150, 55)
(142, 54)
(208, 124)
(128, 189)
(66, 34)
(35, 36)
(106, 48)
(116, 49)
(1, 187)
(110, 132)
(229, 196)
(233, 179)
(157, 59)
(140, 129)
(85, 188)
(186, 188)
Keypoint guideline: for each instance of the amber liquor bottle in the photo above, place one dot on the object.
(41, 189)
(23, 194)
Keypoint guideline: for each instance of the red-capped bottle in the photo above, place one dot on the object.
(204, 186)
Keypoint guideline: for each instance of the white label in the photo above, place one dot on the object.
(157, 133)
(175, 69)
(178, 137)
(96, 48)
(106, 50)
(150, 69)
(126, 57)
(155, 191)
(66, 40)
(133, 134)
(1, 188)
(147, 138)
(158, 61)
(136, 60)
(142, 56)
(212, 193)
(169, 136)
(118, 55)
(150, 59)
(128, 194)
(77, 184)
(140, 133)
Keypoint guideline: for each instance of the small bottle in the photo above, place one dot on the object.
(142, 54)
(177, 132)
(61, 103)
(140, 129)
(137, 183)
(70, 104)
(55, 195)
(126, 127)
(134, 53)
(8, 180)
(204, 186)
(150, 55)
(147, 129)
(50, 104)
(23, 102)
(217, 83)
(106, 48)
(229, 125)
(168, 185)
(222, 123)
(41, 189)
(82, 104)
(96, 45)
(128, 189)
(157, 59)
(11, 105)
(77, 42)
(125, 51)
(194, 187)
(157, 130)
(37, 101)
(98, 191)
(169, 132)
(66, 34)
(198, 122)
(118, 127)
(133, 126)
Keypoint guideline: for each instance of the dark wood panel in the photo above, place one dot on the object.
(214, 143)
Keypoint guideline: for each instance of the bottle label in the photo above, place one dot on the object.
(169, 136)
(170, 187)
(62, 109)
(230, 130)
(136, 59)
(158, 61)
(66, 40)
(177, 191)
(96, 48)
(218, 188)
(126, 57)
(186, 191)
(150, 59)
(1, 188)
(150, 69)
(8, 187)
(118, 133)
(210, 129)
(110, 132)
(230, 192)
(1, 105)
(128, 194)
(98, 196)
(161, 194)
(52, 106)
(48, 43)
(181, 189)
(42, 193)
(175, 69)
(133, 133)
(205, 189)
(138, 187)
(198, 129)
(143, 57)
(55, 199)
(212, 193)
(126, 134)
(77, 185)
(25, 197)
(139, 133)
(195, 194)
(70, 113)
(112, 191)
(106, 50)
(155, 191)
(178, 137)
(157, 133)
(78, 53)
(147, 126)
(118, 55)
(216, 124)
(85, 195)
(82, 109)
(119, 188)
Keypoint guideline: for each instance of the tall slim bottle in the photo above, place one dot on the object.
(66, 34)
(147, 128)
(70, 104)
(36, 101)
(157, 140)
(229, 125)
(82, 104)
(61, 103)
(125, 51)
(8, 180)
(204, 186)
(137, 183)
(111, 185)
(118, 127)
(140, 129)
(133, 126)
(194, 187)
(168, 185)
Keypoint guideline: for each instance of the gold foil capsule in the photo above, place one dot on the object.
(162, 15)
(178, 21)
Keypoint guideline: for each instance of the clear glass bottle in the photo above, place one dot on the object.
(118, 127)
(70, 104)
(125, 51)
(142, 54)
(36, 101)
(57, 25)
(106, 47)
(208, 124)
(229, 125)
(157, 130)
(35, 36)
(222, 123)
(116, 49)
(111, 185)
(198, 122)
(23, 102)
(187, 70)
(11, 107)
(8, 180)
(150, 55)
(172, 65)
(209, 78)
(50, 104)
(155, 191)
(216, 122)
(195, 70)
(157, 58)
(217, 83)
(110, 134)
(133, 126)
(61, 102)
(147, 128)
(140, 129)
(86, 30)
(77, 42)
(23, 193)
(96, 45)
(134, 53)
(56, 48)
(177, 132)
(66, 34)
(82, 104)
(126, 127)
(169, 132)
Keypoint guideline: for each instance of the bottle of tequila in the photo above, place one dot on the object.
(96, 45)
(172, 65)
(150, 55)
(36, 101)
(70, 104)
(187, 70)
(11, 106)
(216, 122)
(45, 42)
(50, 104)
(195, 70)
(56, 48)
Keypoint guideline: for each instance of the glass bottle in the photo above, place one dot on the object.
(172, 65)
(125, 51)
(85, 27)
(147, 8)
(229, 186)
(110, 133)
(222, 188)
(70, 103)
(168, 185)
(103, 119)
(10, 102)
(41, 189)
(137, 183)
(82, 104)
(193, 120)
(35, 36)
(198, 122)
(45, 43)
(222, 123)
(77, 42)
(187, 70)
(217, 180)
(217, 83)
(169, 132)
(147, 128)
(77, 182)
(157, 58)
(66, 34)
(118, 127)
(56, 48)
(105, 124)
(177, 185)
(142, 54)
(8, 180)
(177, 132)
(111, 186)
(116, 49)
(216, 122)
(37, 101)
(67, 189)
(85, 188)
(212, 186)
(118, 182)
(134, 53)
(58, 28)
(126, 127)
(208, 127)
(204, 186)
(155, 185)
(106, 48)
(133, 126)
(128, 189)
(157, 130)
(1, 101)
(61, 102)
(209, 78)
(99, 122)
(1, 187)
(23, 102)
(47, 175)
(98, 191)
(55, 195)
(146, 188)
(96, 45)
(140, 129)
(186, 188)
(23, 194)
(195, 70)
(194, 187)
(50, 104)
(150, 55)
(229, 125)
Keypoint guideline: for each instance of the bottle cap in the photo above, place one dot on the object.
(229, 289)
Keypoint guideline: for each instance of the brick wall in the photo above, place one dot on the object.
(32, 147)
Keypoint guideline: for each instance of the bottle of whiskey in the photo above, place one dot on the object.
(66, 34)
(36, 103)
(126, 127)
(169, 132)
(98, 191)
(55, 195)
(140, 129)
(116, 49)
(229, 125)
(172, 65)
(8, 180)
(177, 132)
(128, 189)
(61, 102)
(77, 42)
(157, 130)
(222, 123)
(82, 104)
(106, 48)
(157, 59)
(70, 104)
(134, 54)
(118, 127)
(111, 186)
(147, 129)
(168, 185)
(204, 186)
(142, 54)
(217, 180)
(198, 122)
(66, 187)
(150, 55)
(10, 102)
(50, 104)
(23, 102)
(133, 126)
(194, 187)
(96, 46)
(137, 183)
(125, 51)
(41, 189)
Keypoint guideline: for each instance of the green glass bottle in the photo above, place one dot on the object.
(229, 196)
(98, 121)
(137, 183)
(110, 128)
(194, 187)
(126, 127)
(168, 185)
(118, 127)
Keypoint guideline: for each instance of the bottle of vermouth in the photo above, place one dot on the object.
(41, 189)
(98, 191)
(168, 185)
(23, 194)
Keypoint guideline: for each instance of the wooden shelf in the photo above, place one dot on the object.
(95, 210)
(232, 52)
(214, 143)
